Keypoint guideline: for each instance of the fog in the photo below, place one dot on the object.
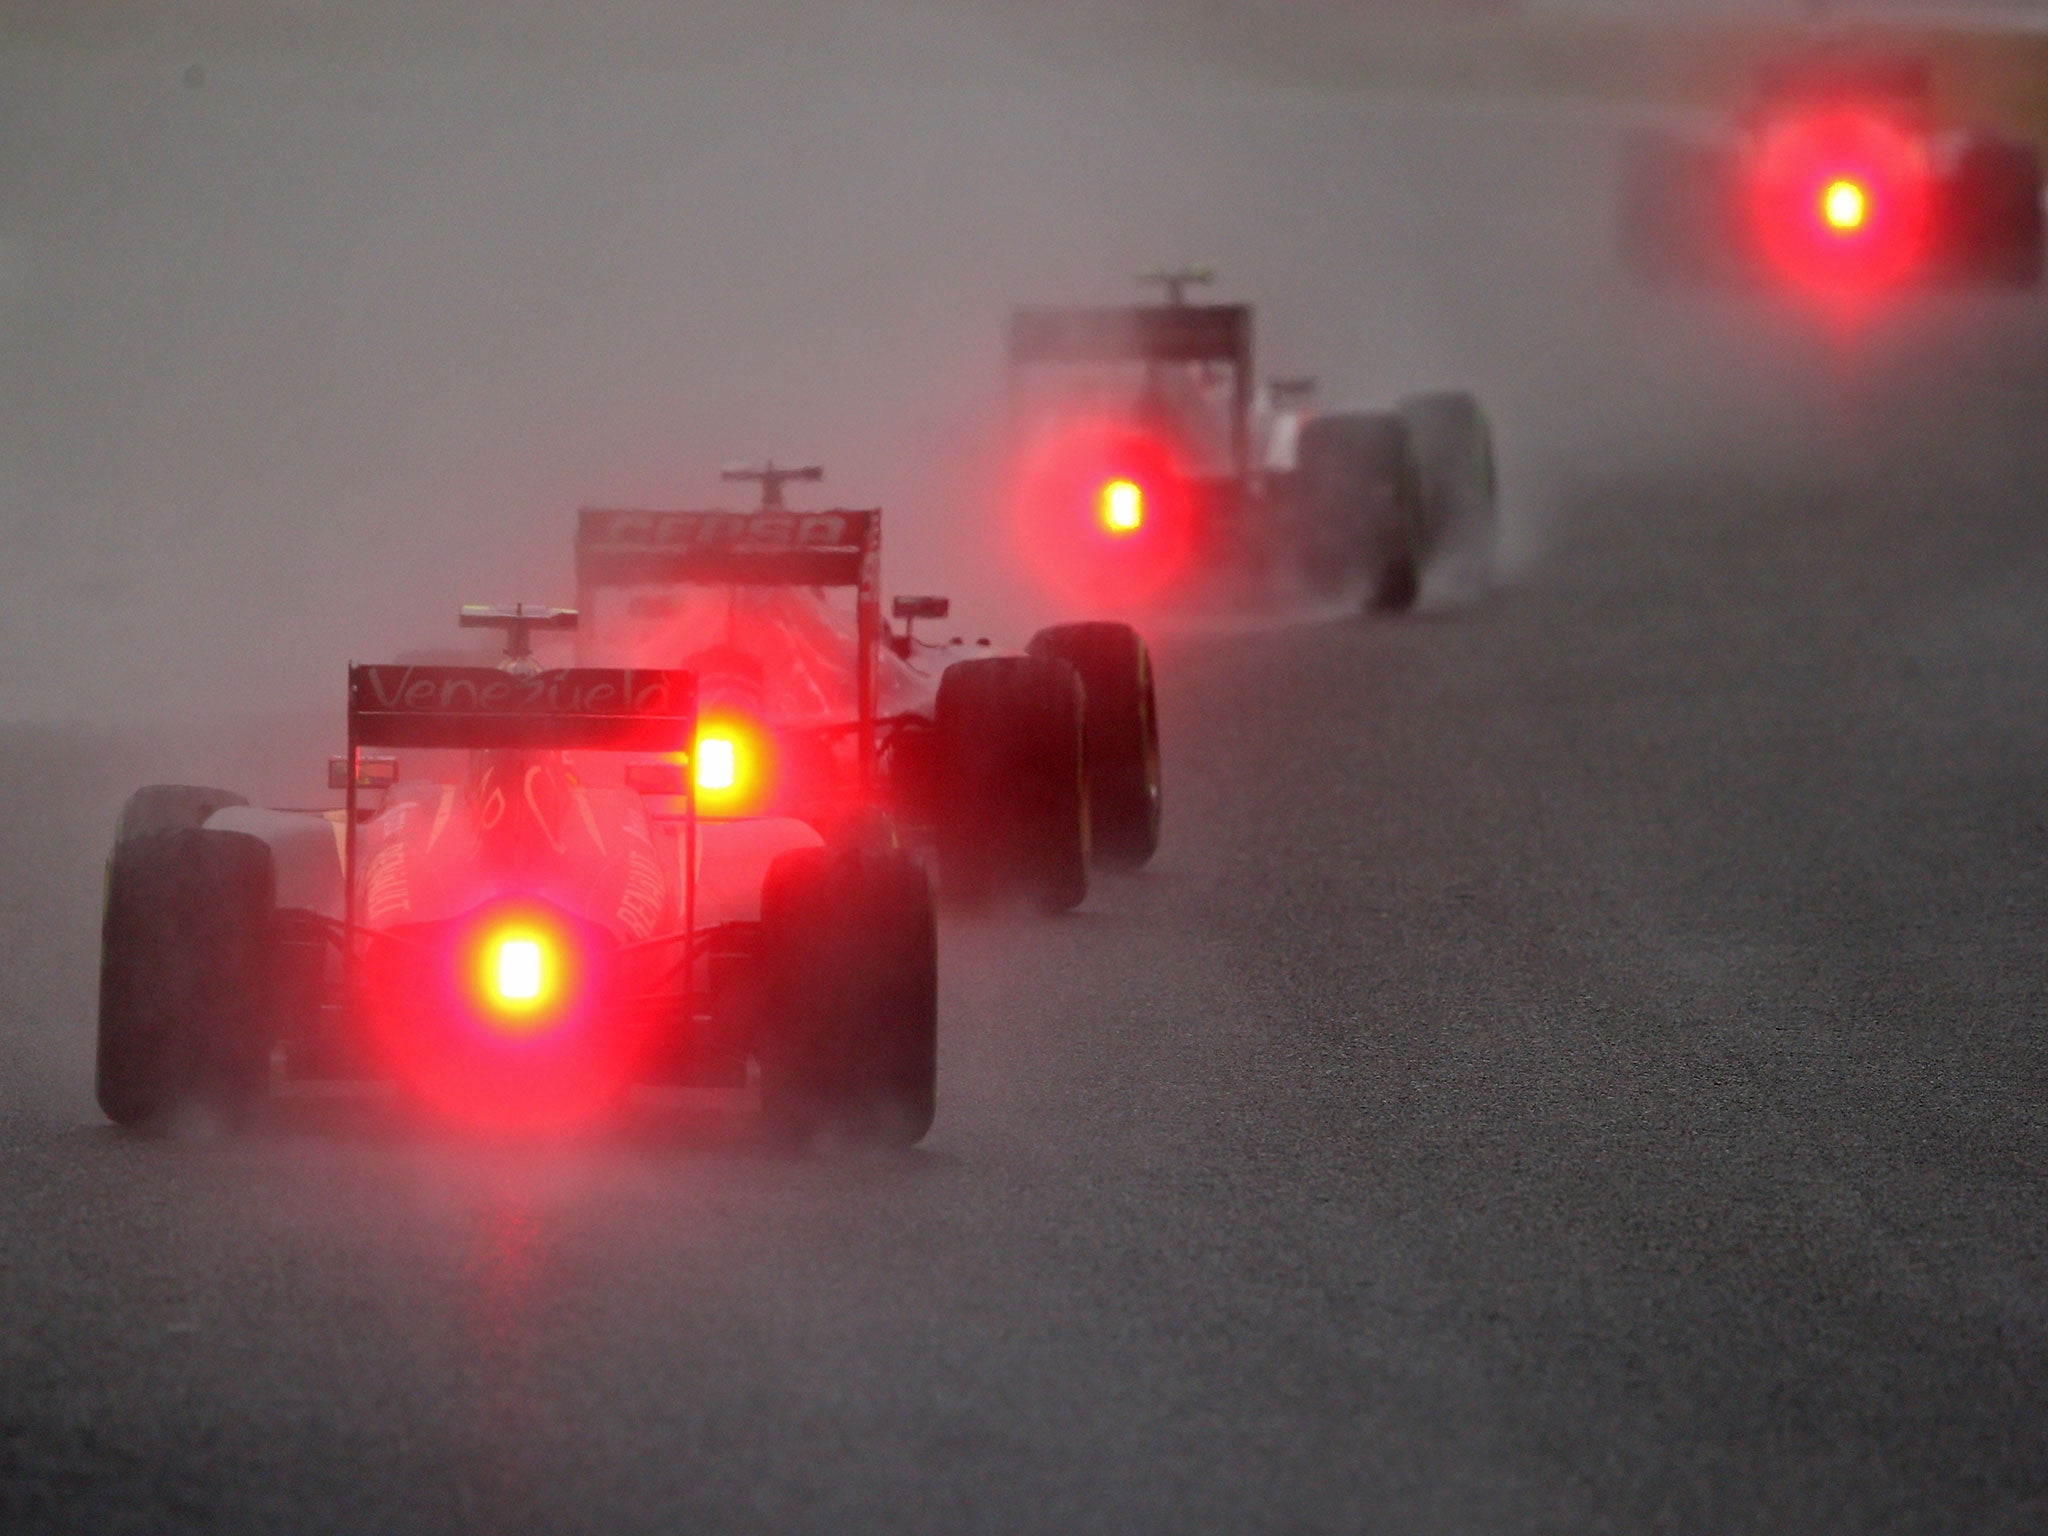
(311, 338)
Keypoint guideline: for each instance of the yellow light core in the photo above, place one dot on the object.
(718, 763)
(1844, 206)
(1123, 506)
(518, 971)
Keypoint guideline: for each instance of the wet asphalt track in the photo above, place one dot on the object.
(1576, 1066)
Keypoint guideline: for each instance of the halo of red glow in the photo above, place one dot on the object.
(1798, 166)
(1061, 536)
(485, 1060)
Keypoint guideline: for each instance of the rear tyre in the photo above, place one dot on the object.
(1454, 468)
(1012, 797)
(1348, 480)
(1358, 500)
(184, 1019)
(850, 963)
(1120, 736)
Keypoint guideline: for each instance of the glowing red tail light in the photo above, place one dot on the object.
(1844, 206)
(506, 1017)
(1841, 200)
(718, 763)
(1104, 512)
(520, 970)
(1123, 507)
(736, 764)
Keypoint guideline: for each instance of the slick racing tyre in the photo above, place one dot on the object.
(184, 1021)
(1454, 471)
(1012, 797)
(1120, 736)
(849, 1045)
(166, 807)
(1359, 513)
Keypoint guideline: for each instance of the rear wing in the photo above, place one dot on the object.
(811, 549)
(588, 708)
(1143, 333)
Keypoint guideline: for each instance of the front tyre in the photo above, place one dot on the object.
(1396, 584)
(1120, 736)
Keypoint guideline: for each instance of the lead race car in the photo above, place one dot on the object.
(1013, 769)
(539, 918)
(1842, 180)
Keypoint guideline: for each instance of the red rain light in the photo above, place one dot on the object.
(502, 1019)
(1123, 507)
(1844, 206)
(736, 764)
(1103, 513)
(1841, 200)
(718, 763)
(519, 975)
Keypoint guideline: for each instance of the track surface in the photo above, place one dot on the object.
(1575, 1067)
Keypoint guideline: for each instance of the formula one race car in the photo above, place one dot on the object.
(1011, 767)
(540, 917)
(1146, 471)
(1839, 181)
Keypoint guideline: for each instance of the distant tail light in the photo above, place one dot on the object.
(1104, 511)
(1844, 206)
(1841, 200)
